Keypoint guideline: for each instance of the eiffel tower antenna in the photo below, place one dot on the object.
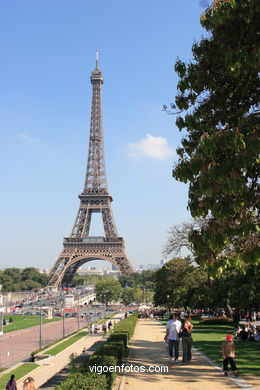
(80, 248)
(96, 59)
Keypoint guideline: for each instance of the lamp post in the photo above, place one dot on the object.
(63, 315)
(1, 312)
(40, 336)
(78, 312)
(168, 302)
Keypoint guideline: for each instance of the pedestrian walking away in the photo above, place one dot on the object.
(104, 328)
(228, 353)
(29, 384)
(11, 384)
(186, 340)
(173, 329)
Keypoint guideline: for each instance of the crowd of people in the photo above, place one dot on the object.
(95, 328)
(248, 332)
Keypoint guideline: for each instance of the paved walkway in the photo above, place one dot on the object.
(149, 349)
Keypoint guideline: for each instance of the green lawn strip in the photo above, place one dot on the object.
(208, 339)
(23, 322)
(19, 372)
(65, 344)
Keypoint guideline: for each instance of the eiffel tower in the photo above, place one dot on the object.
(80, 247)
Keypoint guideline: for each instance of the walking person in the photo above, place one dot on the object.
(186, 340)
(11, 384)
(228, 353)
(173, 329)
(104, 328)
(28, 384)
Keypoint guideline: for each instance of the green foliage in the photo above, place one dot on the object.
(218, 101)
(16, 279)
(89, 381)
(181, 284)
(119, 337)
(128, 295)
(173, 281)
(127, 325)
(136, 279)
(84, 280)
(107, 290)
(112, 349)
(104, 361)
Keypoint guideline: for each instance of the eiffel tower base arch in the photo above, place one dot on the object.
(74, 256)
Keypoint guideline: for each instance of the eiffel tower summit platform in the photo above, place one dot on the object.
(80, 248)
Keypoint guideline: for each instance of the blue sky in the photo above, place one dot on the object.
(47, 54)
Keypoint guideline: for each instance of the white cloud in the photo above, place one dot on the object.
(27, 137)
(150, 146)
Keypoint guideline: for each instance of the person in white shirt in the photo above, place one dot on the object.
(173, 328)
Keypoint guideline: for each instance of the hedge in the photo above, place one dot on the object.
(115, 349)
(117, 337)
(103, 361)
(78, 381)
(110, 354)
(127, 325)
(217, 321)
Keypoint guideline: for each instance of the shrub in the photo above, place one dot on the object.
(87, 381)
(127, 325)
(10, 320)
(217, 321)
(112, 349)
(4, 321)
(117, 337)
(103, 361)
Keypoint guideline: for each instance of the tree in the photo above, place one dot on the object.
(172, 282)
(178, 238)
(107, 290)
(15, 279)
(218, 106)
(128, 295)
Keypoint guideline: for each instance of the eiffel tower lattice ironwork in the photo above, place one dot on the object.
(80, 248)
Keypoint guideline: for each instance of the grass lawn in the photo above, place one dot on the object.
(208, 339)
(19, 372)
(58, 348)
(22, 322)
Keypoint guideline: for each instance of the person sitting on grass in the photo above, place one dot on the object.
(243, 335)
(228, 353)
(237, 331)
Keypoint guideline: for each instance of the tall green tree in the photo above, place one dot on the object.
(172, 283)
(218, 107)
(128, 295)
(107, 290)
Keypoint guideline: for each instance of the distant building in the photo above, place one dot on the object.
(90, 271)
(146, 267)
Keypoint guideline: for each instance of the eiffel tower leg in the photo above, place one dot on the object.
(124, 265)
(109, 223)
